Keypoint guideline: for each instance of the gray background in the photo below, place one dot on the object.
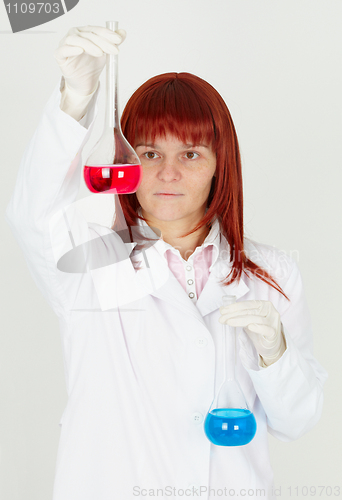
(277, 63)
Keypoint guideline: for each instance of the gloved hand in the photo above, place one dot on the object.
(81, 55)
(261, 321)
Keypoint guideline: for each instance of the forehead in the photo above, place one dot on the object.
(168, 140)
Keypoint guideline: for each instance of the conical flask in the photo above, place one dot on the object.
(113, 166)
(229, 421)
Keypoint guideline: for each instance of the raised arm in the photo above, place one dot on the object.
(49, 174)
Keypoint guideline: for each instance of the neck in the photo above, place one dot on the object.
(188, 245)
(172, 230)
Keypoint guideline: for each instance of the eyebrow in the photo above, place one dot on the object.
(183, 145)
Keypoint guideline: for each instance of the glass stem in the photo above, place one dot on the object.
(229, 334)
(229, 343)
(112, 113)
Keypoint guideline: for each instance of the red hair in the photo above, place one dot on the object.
(189, 108)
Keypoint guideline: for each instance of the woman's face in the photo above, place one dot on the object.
(169, 166)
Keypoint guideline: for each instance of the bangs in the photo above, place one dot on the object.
(173, 107)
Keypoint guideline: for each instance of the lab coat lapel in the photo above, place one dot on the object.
(210, 299)
(213, 291)
(171, 291)
(154, 266)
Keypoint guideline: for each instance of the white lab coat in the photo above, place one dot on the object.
(141, 368)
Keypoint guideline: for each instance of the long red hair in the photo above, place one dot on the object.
(189, 108)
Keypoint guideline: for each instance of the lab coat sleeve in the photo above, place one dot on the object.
(291, 389)
(48, 180)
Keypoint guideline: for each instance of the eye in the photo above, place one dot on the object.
(149, 155)
(191, 155)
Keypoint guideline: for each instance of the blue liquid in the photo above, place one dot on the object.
(230, 426)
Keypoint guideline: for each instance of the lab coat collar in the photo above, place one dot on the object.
(172, 291)
(213, 238)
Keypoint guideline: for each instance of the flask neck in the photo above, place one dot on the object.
(112, 119)
(229, 351)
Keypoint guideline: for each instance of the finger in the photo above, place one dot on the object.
(115, 37)
(246, 307)
(67, 51)
(242, 321)
(268, 333)
(72, 31)
(123, 35)
(88, 47)
(245, 304)
(106, 46)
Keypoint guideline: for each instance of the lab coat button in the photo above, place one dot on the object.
(197, 417)
(190, 282)
(201, 342)
(191, 295)
(188, 268)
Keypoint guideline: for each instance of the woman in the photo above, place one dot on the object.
(141, 335)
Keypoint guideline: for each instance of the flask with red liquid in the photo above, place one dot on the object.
(112, 166)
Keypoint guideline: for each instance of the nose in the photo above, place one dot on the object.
(169, 169)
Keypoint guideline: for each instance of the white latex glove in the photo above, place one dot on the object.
(81, 55)
(261, 321)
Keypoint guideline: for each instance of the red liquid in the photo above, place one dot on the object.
(121, 179)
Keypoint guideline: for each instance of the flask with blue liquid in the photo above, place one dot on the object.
(229, 421)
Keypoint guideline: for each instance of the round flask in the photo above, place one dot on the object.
(229, 421)
(113, 166)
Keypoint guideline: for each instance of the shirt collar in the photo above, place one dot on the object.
(213, 238)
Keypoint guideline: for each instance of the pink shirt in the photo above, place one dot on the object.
(193, 273)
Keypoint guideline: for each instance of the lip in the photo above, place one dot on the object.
(168, 194)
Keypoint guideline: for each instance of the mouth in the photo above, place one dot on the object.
(170, 195)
